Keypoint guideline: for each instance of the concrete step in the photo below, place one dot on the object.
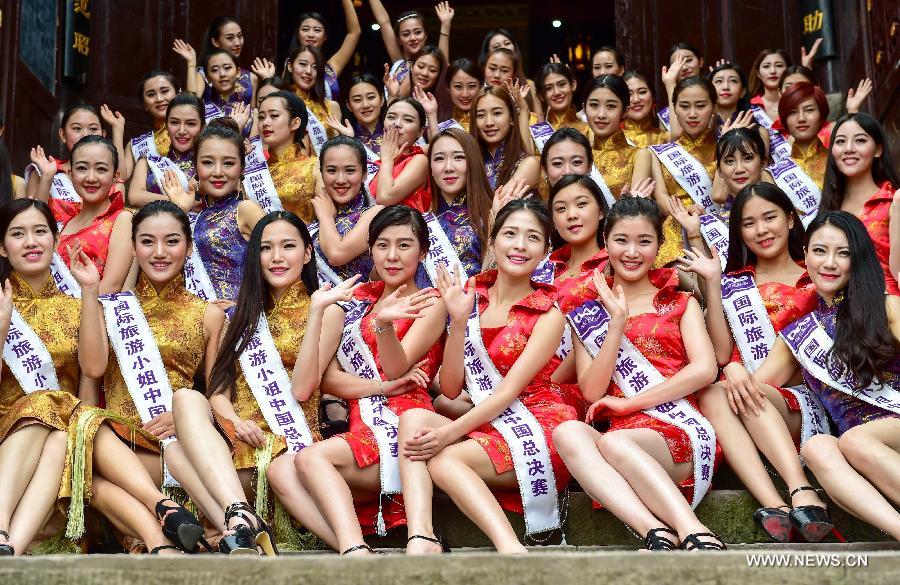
(728, 513)
(814, 565)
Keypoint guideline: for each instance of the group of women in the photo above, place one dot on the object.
(297, 307)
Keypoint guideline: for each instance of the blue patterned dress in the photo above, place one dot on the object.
(345, 219)
(454, 219)
(221, 245)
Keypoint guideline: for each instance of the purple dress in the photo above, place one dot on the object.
(492, 165)
(221, 245)
(331, 82)
(184, 161)
(454, 219)
(243, 92)
(371, 140)
(846, 411)
(348, 216)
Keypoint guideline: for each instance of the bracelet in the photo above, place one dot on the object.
(385, 329)
(380, 388)
(443, 34)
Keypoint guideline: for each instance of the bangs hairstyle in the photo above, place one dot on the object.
(9, 212)
(567, 134)
(105, 142)
(756, 85)
(187, 98)
(162, 207)
(863, 340)
(295, 109)
(798, 93)
(479, 195)
(468, 67)
(222, 129)
(743, 140)
(170, 79)
(399, 215)
(743, 103)
(253, 299)
(632, 74)
(317, 91)
(613, 83)
(513, 148)
(589, 184)
(806, 72)
(532, 204)
(883, 168)
(739, 255)
(213, 32)
(629, 206)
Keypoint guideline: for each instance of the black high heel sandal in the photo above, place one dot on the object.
(693, 542)
(775, 522)
(242, 541)
(359, 547)
(6, 550)
(445, 548)
(155, 550)
(180, 526)
(813, 522)
(653, 541)
(263, 536)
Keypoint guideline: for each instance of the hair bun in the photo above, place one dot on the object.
(225, 122)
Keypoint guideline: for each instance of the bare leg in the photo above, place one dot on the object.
(117, 463)
(291, 492)
(181, 470)
(453, 409)
(418, 489)
(578, 445)
(127, 514)
(20, 453)
(37, 502)
(872, 449)
(329, 471)
(465, 472)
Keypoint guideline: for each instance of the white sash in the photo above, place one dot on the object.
(271, 386)
(323, 269)
(61, 188)
(541, 133)
(799, 187)
(754, 335)
(258, 180)
(521, 431)
(451, 123)
(811, 345)
(440, 251)
(140, 362)
(371, 164)
(597, 176)
(211, 111)
(316, 130)
(63, 278)
(779, 148)
(196, 278)
(543, 274)
(27, 357)
(144, 145)
(715, 233)
(634, 374)
(688, 172)
(663, 116)
(158, 165)
(395, 70)
(355, 358)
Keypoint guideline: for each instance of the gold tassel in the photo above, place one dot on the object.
(263, 459)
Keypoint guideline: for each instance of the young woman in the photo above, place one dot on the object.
(765, 256)
(642, 468)
(804, 110)
(464, 80)
(731, 92)
(693, 98)
(501, 66)
(101, 226)
(619, 162)
(282, 120)
(556, 87)
(641, 124)
(847, 351)
(515, 329)
(765, 75)
(343, 211)
(184, 121)
(365, 104)
(222, 228)
(462, 195)
(567, 152)
(428, 69)
(501, 38)
(685, 61)
(155, 90)
(35, 412)
(403, 169)
(392, 341)
(273, 313)
(306, 68)
(607, 60)
(498, 131)
(862, 179)
(311, 32)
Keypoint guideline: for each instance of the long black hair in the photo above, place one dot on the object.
(588, 183)
(252, 301)
(739, 255)
(863, 340)
(883, 167)
(743, 103)
(317, 91)
(295, 107)
(11, 211)
(213, 32)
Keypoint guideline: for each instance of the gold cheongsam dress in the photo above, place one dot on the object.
(320, 109)
(615, 158)
(645, 134)
(295, 181)
(569, 119)
(812, 159)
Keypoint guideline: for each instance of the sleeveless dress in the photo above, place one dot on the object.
(615, 158)
(876, 216)
(574, 291)
(644, 135)
(294, 181)
(813, 160)
(221, 245)
(345, 219)
(420, 198)
(457, 224)
(360, 438)
(175, 317)
(551, 404)
(94, 238)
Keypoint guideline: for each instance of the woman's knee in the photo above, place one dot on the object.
(280, 470)
(856, 447)
(615, 447)
(187, 398)
(818, 450)
(568, 436)
(413, 419)
(713, 400)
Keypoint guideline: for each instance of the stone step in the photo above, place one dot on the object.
(874, 564)
(728, 513)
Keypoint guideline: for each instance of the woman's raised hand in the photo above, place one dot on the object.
(186, 51)
(458, 301)
(395, 307)
(329, 294)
